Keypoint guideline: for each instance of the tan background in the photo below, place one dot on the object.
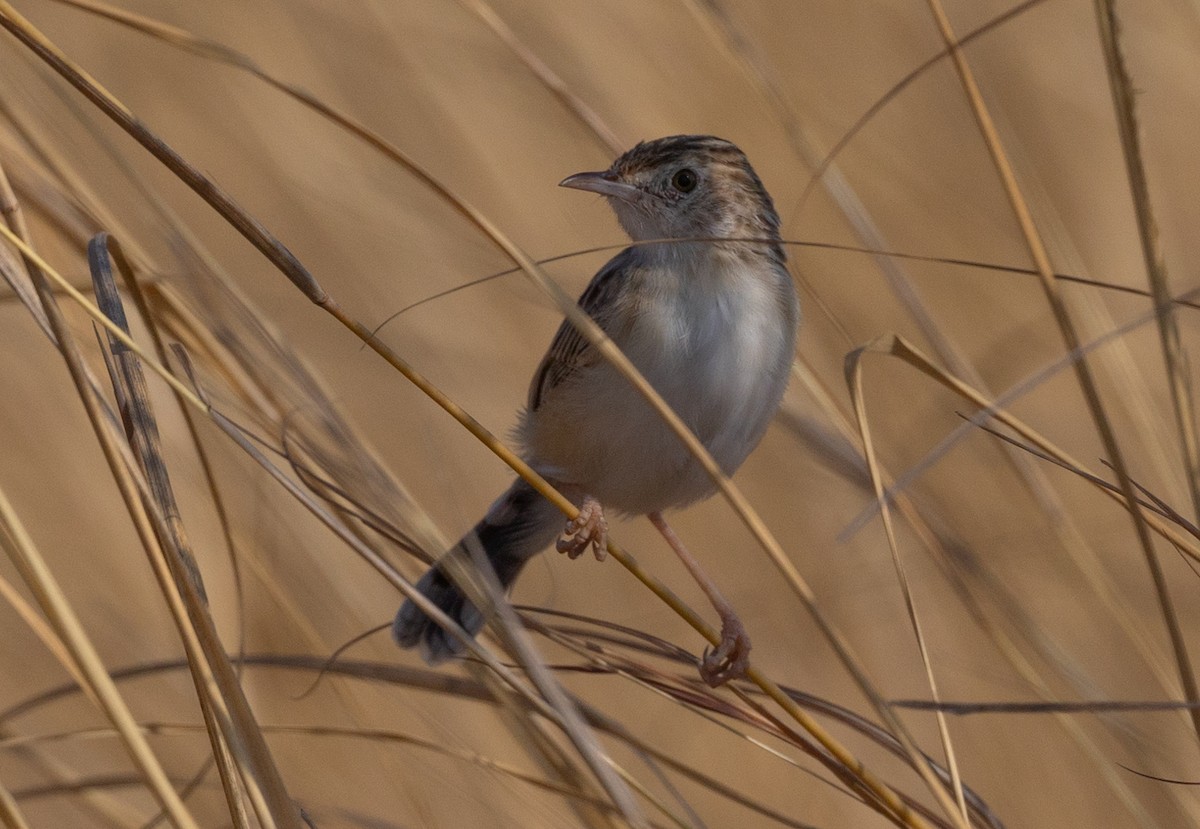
(436, 81)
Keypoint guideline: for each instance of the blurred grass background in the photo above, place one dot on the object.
(1030, 584)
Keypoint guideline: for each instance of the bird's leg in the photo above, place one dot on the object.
(589, 528)
(732, 657)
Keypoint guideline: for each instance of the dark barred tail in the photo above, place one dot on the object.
(519, 525)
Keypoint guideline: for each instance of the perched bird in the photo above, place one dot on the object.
(703, 305)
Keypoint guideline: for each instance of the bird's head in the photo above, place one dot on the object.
(685, 187)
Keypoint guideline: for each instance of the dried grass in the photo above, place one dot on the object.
(382, 158)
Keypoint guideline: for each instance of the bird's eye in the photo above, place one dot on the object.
(685, 180)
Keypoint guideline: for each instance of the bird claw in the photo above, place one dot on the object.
(731, 659)
(588, 529)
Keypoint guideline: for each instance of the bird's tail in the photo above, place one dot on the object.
(519, 525)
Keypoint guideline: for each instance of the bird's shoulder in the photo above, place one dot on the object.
(569, 351)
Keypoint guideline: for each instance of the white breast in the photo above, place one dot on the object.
(716, 344)
(709, 354)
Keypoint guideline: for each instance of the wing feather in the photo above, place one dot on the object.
(569, 350)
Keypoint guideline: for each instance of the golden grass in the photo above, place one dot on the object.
(1008, 580)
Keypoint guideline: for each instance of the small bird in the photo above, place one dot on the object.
(704, 306)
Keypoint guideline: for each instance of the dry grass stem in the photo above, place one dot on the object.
(251, 487)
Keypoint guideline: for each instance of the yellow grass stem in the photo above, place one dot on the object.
(1083, 372)
(38, 575)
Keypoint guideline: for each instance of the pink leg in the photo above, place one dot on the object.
(731, 659)
(589, 528)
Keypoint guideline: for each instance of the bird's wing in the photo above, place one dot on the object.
(569, 350)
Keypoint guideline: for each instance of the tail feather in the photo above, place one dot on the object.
(519, 525)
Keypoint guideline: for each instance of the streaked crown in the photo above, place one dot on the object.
(684, 187)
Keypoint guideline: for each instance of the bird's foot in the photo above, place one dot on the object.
(731, 659)
(589, 528)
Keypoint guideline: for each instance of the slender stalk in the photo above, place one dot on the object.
(1180, 381)
(1083, 371)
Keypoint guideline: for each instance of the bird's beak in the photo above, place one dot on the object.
(606, 184)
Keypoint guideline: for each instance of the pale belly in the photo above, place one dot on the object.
(722, 366)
